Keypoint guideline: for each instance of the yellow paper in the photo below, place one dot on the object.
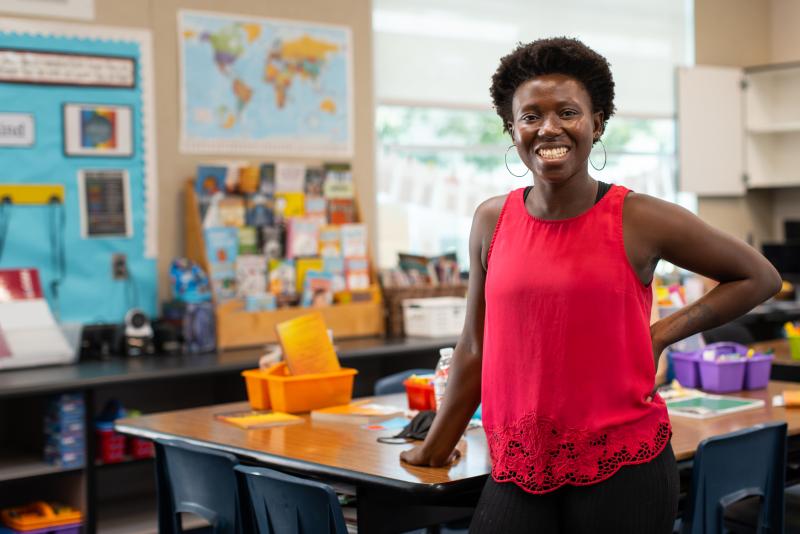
(290, 204)
(260, 420)
(306, 345)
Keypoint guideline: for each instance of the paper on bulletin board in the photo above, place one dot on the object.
(254, 85)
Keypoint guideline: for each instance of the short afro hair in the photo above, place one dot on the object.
(558, 55)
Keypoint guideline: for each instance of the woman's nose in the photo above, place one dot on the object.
(551, 126)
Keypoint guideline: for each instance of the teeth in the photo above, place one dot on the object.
(553, 153)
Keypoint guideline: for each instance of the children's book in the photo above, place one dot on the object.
(249, 179)
(330, 241)
(290, 177)
(307, 348)
(357, 273)
(354, 240)
(19, 284)
(282, 277)
(273, 239)
(335, 266)
(210, 179)
(251, 275)
(357, 413)
(315, 178)
(289, 204)
(315, 208)
(703, 406)
(341, 211)
(303, 266)
(266, 182)
(302, 237)
(231, 211)
(250, 419)
(317, 289)
(259, 210)
(248, 240)
(222, 246)
(338, 181)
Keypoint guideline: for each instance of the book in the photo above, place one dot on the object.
(338, 181)
(317, 289)
(266, 180)
(20, 284)
(315, 208)
(210, 179)
(289, 204)
(703, 406)
(231, 211)
(335, 266)
(249, 179)
(314, 180)
(356, 273)
(302, 237)
(248, 419)
(307, 347)
(248, 240)
(303, 266)
(251, 275)
(330, 241)
(357, 413)
(419, 269)
(259, 210)
(222, 246)
(341, 211)
(354, 240)
(273, 239)
(282, 277)
(290, 177)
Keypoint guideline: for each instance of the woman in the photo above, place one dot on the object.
(557, 342)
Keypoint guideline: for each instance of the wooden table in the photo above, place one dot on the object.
(393, 496)
(783, 366)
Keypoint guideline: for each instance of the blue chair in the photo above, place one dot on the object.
(394, 383)
(200, 481)
(283, 504)
(732, 467)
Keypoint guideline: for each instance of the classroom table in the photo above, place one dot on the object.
(783, 366)
(392, 496)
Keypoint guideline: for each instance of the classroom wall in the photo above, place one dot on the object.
(160, 16)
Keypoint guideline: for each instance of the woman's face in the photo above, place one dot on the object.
(553, 126)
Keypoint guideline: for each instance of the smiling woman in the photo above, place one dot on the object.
(557, 342)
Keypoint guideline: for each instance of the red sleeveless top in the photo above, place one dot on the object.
(567, 355)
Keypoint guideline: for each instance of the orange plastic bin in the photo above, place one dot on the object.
(303, 393)
(257, 388)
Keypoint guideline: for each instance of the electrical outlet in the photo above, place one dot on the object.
(119, 266)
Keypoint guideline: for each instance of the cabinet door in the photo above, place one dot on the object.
(710, 131)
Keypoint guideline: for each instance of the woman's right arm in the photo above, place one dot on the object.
(463, 393)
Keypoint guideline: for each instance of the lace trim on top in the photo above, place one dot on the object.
(538, 456)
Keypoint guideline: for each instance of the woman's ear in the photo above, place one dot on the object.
(597, 125)
(510, 128)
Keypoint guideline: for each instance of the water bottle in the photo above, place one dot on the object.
(441, 374)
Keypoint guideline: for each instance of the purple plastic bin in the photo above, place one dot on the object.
(686, 369)
(73, 528)
(722, 376)
(758, 370)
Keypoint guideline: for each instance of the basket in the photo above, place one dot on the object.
(395, 296)
(303, 393)
(434, 317)
(420, 396)
(257, 388)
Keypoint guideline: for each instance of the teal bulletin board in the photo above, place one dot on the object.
(63, 149)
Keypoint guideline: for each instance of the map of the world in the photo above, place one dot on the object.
(264, 86)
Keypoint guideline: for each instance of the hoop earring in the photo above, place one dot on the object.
(605, 157)
(508, 169)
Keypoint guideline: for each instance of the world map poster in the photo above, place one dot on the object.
(264, 86)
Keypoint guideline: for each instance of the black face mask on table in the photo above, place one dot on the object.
(416, 429)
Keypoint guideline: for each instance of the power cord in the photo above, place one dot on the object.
(58, 259)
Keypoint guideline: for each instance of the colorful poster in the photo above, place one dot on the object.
(264, 86)
(97, 130)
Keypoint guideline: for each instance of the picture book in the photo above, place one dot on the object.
(210, 179)
(273, 239)
(290, 177)
(315, 208)
(289, 205)
(335, 266)
(315, 178)
(702, 406)
(248, 240)
(354, 240)
(251, 275)
(317, 289)
(307, 348)
(302, 237)
(341, 211)
(419, 269)
(330, 241)
(259, 210)
(266, 180)
(303, 266)
(357, 413)
(249, 179)
(282, 277)
(357, 273)
(249, 419)
(446, 268)
(222, 246)
(19, 284)
(338, 181)
(231, 211)
(260, 302)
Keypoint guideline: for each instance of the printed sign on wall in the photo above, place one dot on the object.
(17, 129)
(105, 203)
(97, 130)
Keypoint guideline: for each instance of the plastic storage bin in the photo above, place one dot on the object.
(794, 347)
(295, 394)
(141, 448)
(420, 396)
(110, 444)
(687, 368)
(722, 376)
(757, 371)
(257, 388)
(41, 517)
(434, 317)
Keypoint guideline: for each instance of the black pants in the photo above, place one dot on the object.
(637, 499)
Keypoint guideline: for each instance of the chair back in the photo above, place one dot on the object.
(394, 383)
(284, 504)
(197, 480)
(732, 467)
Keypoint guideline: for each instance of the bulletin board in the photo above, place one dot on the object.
(84, 95)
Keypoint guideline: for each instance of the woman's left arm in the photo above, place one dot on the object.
(656, 230)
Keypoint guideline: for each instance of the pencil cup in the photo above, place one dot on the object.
(794, 347)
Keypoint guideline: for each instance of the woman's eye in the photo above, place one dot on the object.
(530, 117)
(568, 113)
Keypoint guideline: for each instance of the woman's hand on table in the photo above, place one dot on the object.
(421, 457)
